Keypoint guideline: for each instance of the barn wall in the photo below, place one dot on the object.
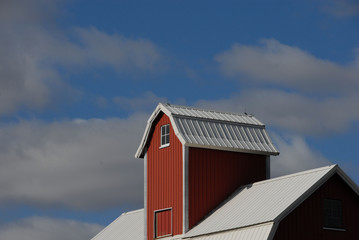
(164, 178)
(214, 175)
(306, 221)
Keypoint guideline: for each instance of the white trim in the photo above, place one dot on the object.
(145, 195)
(335, 229)
(164, 146)
(185, 188)
(267, 167)
(309, 192)
(165, 126)
(230, 149)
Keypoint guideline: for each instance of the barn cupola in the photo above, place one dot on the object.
(194, 159)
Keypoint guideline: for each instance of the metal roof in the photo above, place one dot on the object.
(256, 232)
(129, 225)
(265, 201)
(211, 114)
(213, 129)
(251, 213)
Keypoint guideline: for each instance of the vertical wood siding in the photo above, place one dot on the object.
(215, 174)
(307, 220)
(164, 178)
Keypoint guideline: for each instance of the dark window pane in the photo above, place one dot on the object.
(167, 138)
(163, 141)
(332, 213)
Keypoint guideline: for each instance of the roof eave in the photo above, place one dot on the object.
(141, 149)
(267, 153)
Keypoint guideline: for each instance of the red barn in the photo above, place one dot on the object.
(207, 177)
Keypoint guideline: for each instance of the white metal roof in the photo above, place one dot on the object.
(265, 201)
(256, 232)
(129, 225)
(251, 213)
(211, 114)
(212, 129)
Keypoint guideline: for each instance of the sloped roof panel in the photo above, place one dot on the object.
(210, 114)
(129, 225)
(226, 135)
(262, 202)
(256, 232)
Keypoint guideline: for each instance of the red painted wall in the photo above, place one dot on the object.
(306, 221)
(214, 175)
(164, 178)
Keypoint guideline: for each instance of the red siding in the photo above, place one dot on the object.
(214, 175)
(306, 221)
(164, 178)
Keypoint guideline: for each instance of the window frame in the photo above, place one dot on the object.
(155, 212)
(165, 135)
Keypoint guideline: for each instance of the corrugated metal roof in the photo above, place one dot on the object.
(263, 201)
(129, 225)
(212, 129)
(256, 232)
(212, 134)
(211, 114)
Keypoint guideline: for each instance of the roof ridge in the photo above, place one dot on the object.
(291, 175)
(206, 110)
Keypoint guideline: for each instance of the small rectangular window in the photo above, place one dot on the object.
(333, 213)
(165, 135)
(163, 222)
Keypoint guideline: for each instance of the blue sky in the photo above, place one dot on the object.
(78, 80)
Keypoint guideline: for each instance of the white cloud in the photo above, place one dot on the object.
(41, 228)
(147, 102)
(82, 164)
(294, 112)
(287, 66)
(121, 53)
(295, 156)
(33, 47)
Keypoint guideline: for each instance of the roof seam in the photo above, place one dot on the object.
(218, 120)
(230, 229)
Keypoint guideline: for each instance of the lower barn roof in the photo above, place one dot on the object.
(251, 213)
(262, 202)
(129, 225)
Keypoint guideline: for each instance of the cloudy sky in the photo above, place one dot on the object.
(78, 80)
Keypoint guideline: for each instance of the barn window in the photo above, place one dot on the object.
(165, 135)
(163, 222)
(333, 213)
